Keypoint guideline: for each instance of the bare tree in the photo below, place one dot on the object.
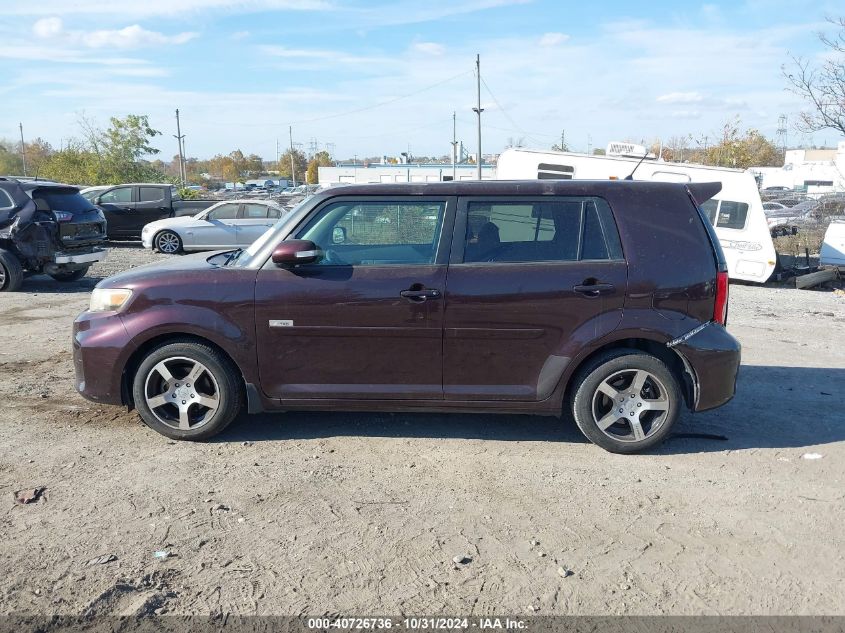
(823, 86)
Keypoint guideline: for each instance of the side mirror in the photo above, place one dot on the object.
(338, 235)
(296, 252)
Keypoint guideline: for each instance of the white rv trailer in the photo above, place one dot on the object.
(736, 211)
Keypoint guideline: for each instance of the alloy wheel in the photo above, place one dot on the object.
(168, 242)
(182, 393)
(630, 405)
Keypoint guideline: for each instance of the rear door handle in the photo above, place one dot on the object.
(594, 290)
(418, 296)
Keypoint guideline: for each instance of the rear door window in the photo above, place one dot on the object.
(571, 229)
(253, 211)
(150, 194)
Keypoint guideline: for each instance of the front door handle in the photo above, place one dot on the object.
(420, 295)
(594, 290)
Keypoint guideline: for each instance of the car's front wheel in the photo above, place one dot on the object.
(187, 390)
(626, 401)
(168, 242)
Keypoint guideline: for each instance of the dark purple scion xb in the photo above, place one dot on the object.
(605, 300)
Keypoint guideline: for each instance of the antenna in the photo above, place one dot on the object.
(631, 175)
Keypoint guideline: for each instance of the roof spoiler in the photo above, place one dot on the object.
(701, 192)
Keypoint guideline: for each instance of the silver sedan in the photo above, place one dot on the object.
(229, 224)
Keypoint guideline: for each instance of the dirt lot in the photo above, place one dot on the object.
(363, 513)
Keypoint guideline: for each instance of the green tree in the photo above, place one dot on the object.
(321, 159)
(300, 164)
(742, 151)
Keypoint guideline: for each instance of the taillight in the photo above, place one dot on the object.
(63, 216)
(720, 308)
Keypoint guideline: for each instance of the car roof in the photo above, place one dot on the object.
(28, 184)
(507, 188)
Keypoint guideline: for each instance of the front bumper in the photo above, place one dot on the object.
(713, 355)
(96, 255)
(101, 347)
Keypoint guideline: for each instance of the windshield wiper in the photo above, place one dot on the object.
(232, 256)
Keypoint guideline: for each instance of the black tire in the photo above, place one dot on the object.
(588, 403)
(167, 242)
(71, 275)
(223, 377)
(11, 272)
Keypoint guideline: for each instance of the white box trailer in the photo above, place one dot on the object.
(736, 211)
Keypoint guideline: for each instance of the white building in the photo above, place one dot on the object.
(815, 171)
(376, 173)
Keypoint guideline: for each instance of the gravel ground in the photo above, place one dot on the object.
(311, 513)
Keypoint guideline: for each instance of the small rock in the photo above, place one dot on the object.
(531, 608)
(37, 592)
(246, 443)
(241, 519)
(541, 554)
(563, 572)
(101, 560)
(461, 559)
(534, 542)
(220, 508)
(163, 554)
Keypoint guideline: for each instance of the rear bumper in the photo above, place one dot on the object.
(100, 351)
(96, 255)
(713, 355)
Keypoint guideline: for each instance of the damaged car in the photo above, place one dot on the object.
(47, 228)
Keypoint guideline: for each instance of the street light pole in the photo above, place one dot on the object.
(178, 136)
(478, 111)
(23, 150)
(454, 148)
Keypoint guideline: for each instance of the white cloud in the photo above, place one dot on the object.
(553, 39)
(133, 36)
(47, 27)
(147, 8)
(239, 35)
(429, 48)
(681, 97)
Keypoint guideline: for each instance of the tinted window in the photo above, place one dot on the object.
(150, 194)
(561, 230)
(710, 208)
(255, 211)
(377, 233)
(60, 200)
(732, 214)
(548, 171)
(121, 194)
(6, 201)
(224, 212)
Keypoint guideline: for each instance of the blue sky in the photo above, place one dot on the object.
(375, 77)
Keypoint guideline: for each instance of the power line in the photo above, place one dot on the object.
(383, 103)
(508, 116)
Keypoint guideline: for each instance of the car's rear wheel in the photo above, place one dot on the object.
(11, 272)
(168, 242)
(70, 275)
(626, 401)
(187, 390)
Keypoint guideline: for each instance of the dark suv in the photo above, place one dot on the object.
(46, 227)
(604, 299)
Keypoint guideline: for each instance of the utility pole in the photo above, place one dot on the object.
(454, 147)
(178, 136)
(23, 150)
(563, 140)
(478, 111)
(292, 164)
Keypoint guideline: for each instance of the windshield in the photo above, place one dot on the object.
(268, 236)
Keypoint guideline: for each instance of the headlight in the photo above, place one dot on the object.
(108, 299)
